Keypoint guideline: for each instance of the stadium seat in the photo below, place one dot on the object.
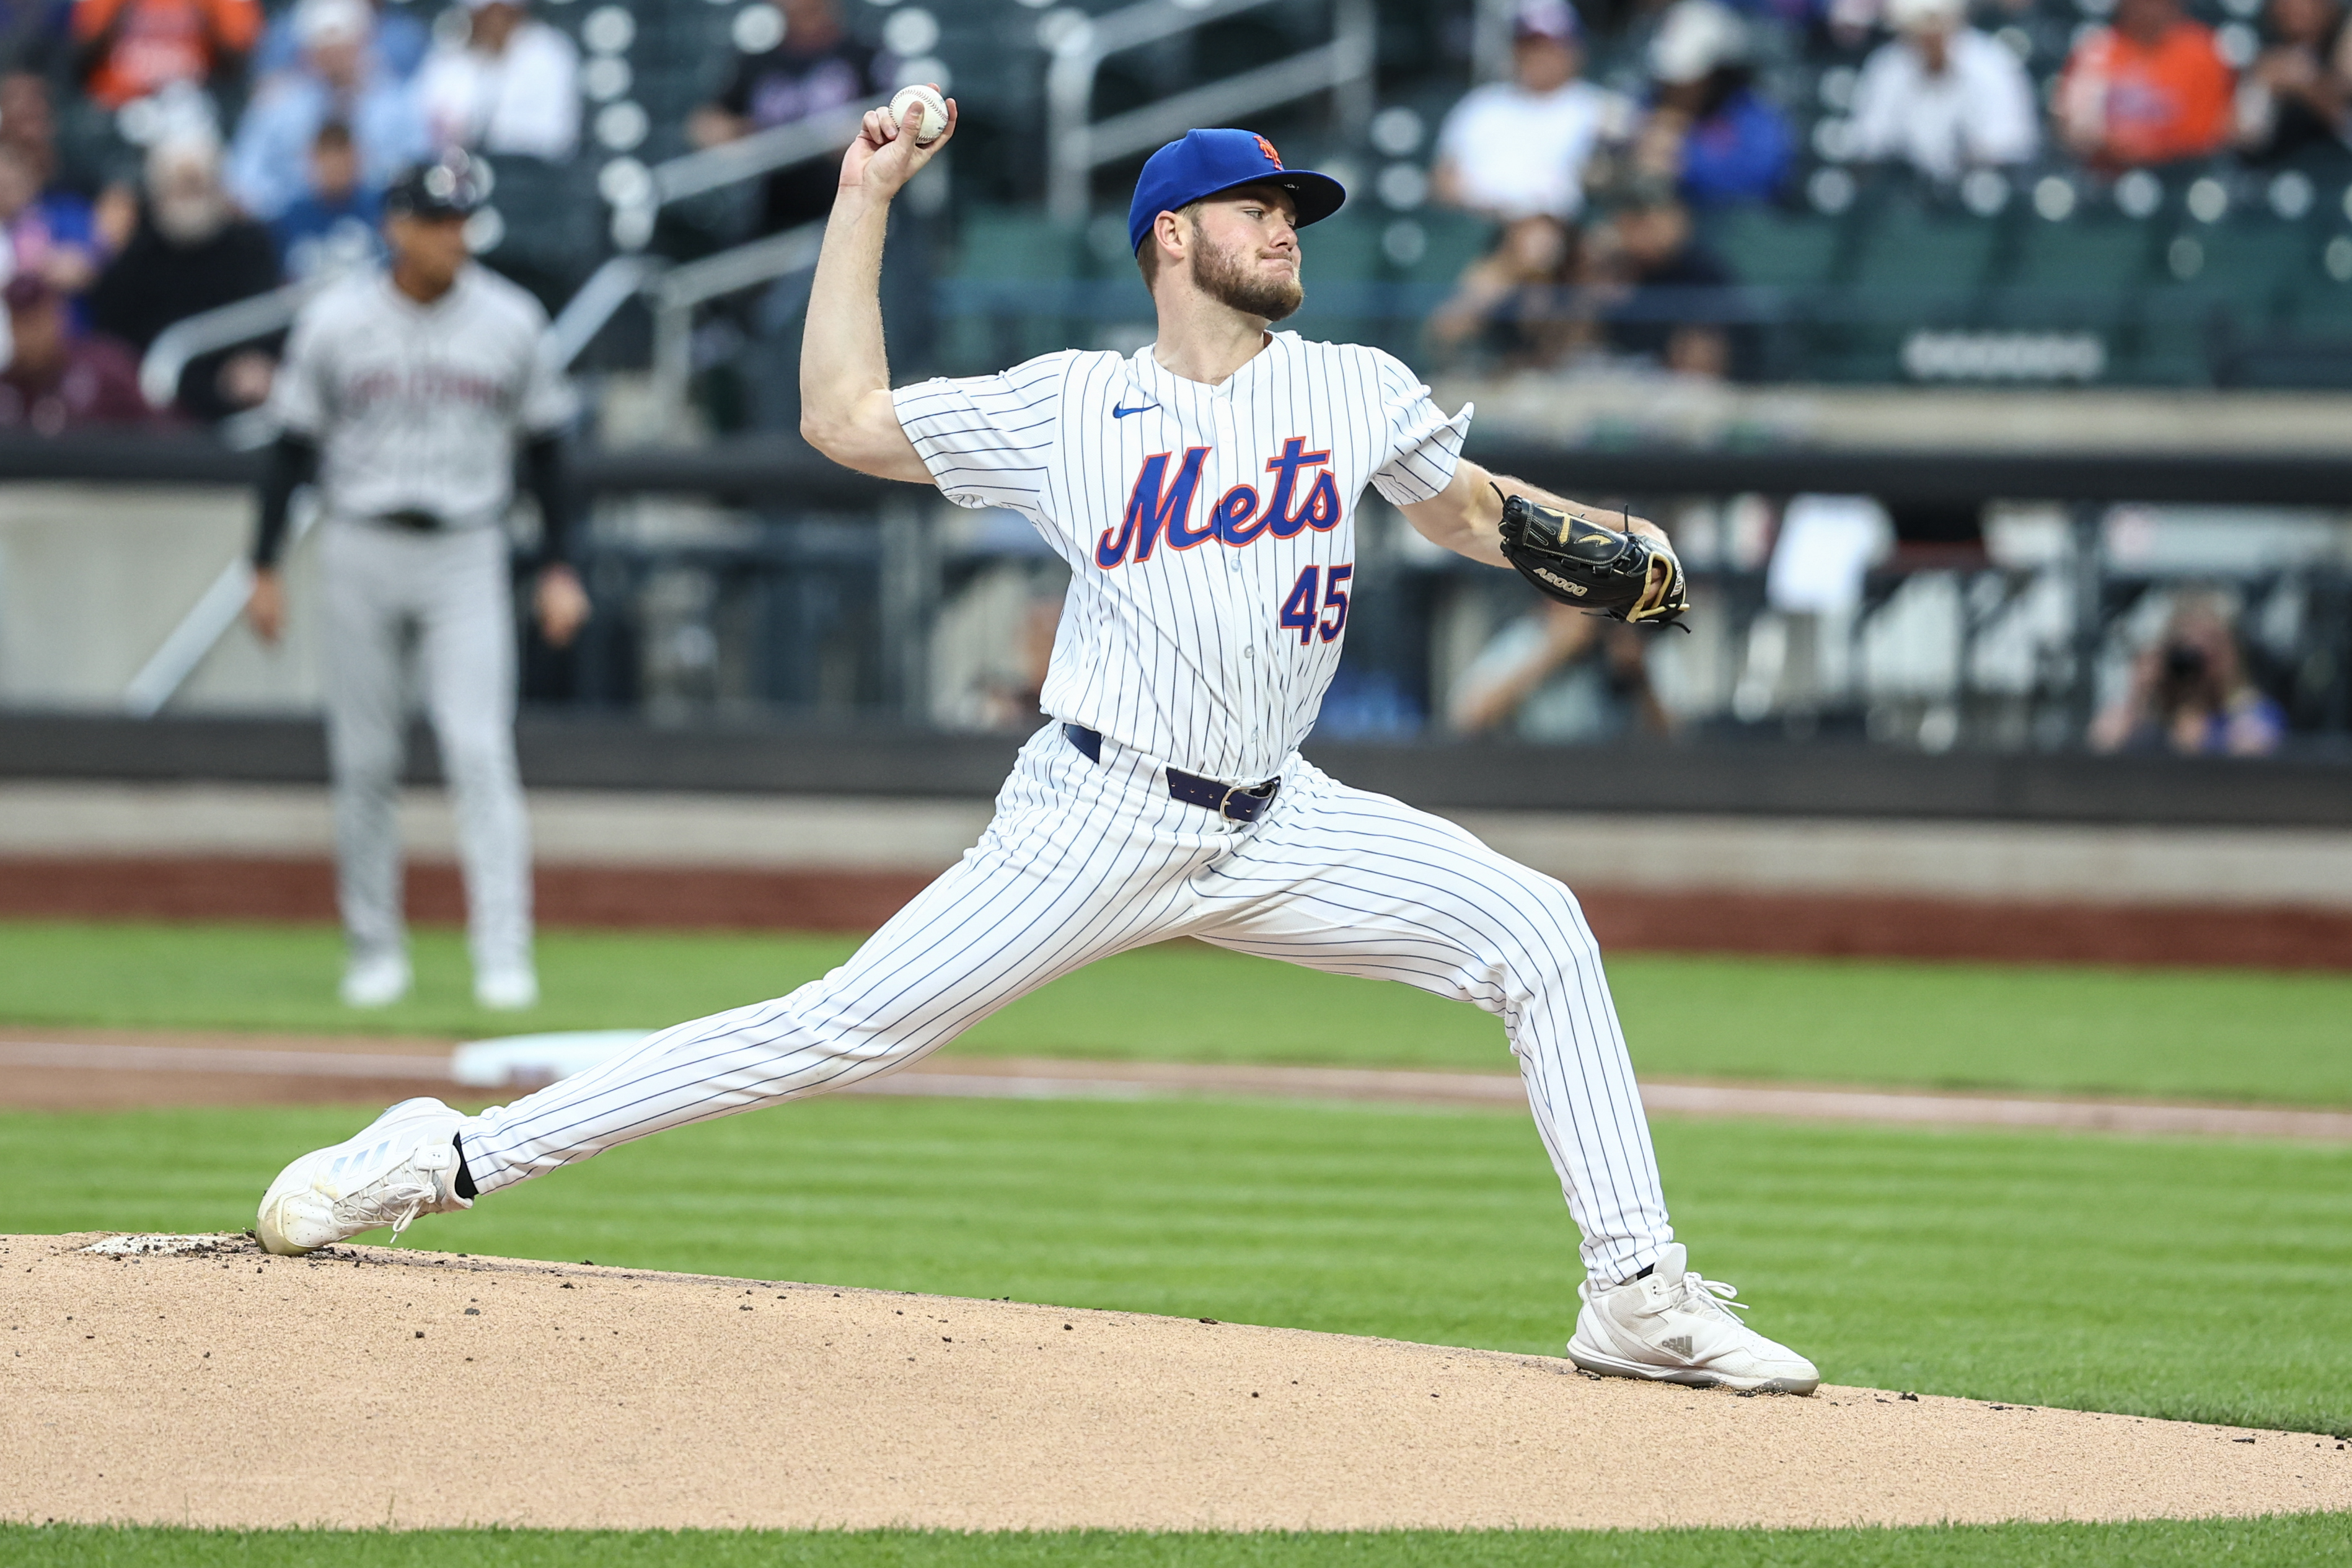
(1927, 254)
(1451, 241)
(991, 323)
(1790, 261)
(2319, 296)
(2215, 285)
(1013, 243)
(1773, 249)
(1911, 268)
(1346, 275)
(2080, 272)
(552, 225)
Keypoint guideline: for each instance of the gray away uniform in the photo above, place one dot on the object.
(416, 412)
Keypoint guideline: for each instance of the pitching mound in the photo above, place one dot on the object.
(195, 1380)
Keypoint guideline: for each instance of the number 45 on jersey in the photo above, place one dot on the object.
(1318, 603)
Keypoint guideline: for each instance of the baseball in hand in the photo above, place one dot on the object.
(931, 111)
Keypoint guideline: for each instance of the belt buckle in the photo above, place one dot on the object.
(1249, 792)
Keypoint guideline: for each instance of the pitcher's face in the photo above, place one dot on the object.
(1246, 253)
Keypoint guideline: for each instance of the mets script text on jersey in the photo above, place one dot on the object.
(1160, 507)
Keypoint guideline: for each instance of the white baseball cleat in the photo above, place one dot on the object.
(1673, 1326)
(506, 990)
(404, 1164)
(376, 981)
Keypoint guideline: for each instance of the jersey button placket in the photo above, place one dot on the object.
(1228, 440)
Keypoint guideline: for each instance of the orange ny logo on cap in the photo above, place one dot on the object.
(1272, 156)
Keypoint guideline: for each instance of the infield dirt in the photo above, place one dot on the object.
(365, 1386)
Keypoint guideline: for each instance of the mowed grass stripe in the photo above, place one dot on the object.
(2290, 1541)
(2206, 1280)
(2224, 1034)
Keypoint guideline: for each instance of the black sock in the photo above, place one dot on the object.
(465, 1184)
(1645, 1274)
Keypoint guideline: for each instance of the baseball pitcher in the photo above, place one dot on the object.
(1203, 491)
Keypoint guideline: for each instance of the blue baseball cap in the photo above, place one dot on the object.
(1207, 162)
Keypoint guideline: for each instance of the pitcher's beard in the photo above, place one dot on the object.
(1223, 278)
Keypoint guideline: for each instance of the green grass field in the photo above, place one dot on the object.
(2229, 1035)
(2210, 1279)
(2205, 1279)
(2294, 1541)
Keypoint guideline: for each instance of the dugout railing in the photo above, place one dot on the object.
(823, 595)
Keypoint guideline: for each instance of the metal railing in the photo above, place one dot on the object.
(673, 291)
(217, 609)
(676, 291)
(166, 360)
(184, 341)
(694, 174)
(761, 153)
(637, 193)
(1076, 145)
(2056, 619)
(586, 313)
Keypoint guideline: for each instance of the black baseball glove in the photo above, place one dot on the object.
(1575, 559)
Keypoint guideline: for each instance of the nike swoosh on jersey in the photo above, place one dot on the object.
(1119, 413)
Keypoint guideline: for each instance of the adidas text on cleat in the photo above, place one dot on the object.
(1673, 1326)
(404, 1164)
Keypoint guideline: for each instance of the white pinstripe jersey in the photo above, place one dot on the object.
(419, 406)
(1209, 530)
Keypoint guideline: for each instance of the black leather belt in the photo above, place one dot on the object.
(1233, 802)
(416, 519)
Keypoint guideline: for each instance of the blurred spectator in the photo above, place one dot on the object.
(1942, 96)
(1647, 256)
(335, 221)
(2189, 694)
(127, 49)
(819, 67)
(1559, 675)
(50, 236)
(56, 380)
(397, 44)
(190, 252)
(1508, 302)
(269, 164)
(28, 122)
(1708, 126)
(513, 86)
(2298, 94)
(2151, 89)
(1636, 284)
(1516, 149)
(28, 127)
(36, 35)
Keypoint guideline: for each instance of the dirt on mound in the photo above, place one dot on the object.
(196, 1380)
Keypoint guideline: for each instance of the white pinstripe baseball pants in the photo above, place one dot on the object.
(1086, 859)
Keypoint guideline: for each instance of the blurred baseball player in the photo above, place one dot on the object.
(405, 394)
(1203, 491)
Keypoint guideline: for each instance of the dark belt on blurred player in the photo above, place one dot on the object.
(1236, 802)
(411, 519)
